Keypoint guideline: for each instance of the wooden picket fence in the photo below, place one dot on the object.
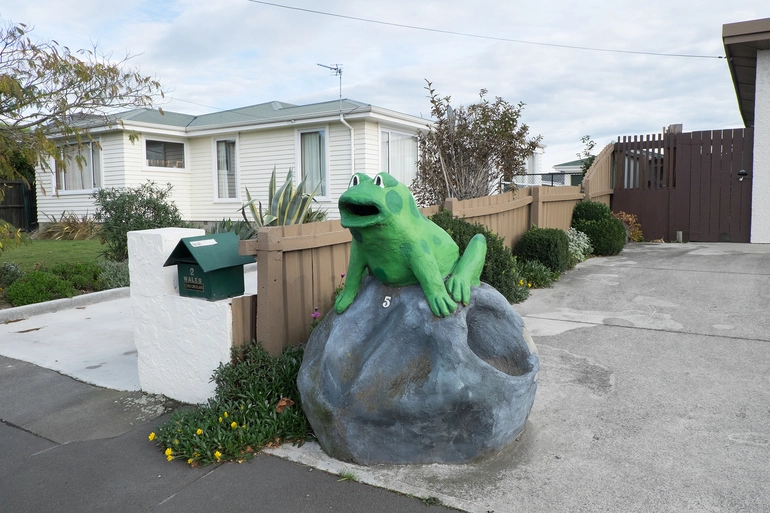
(299, 267)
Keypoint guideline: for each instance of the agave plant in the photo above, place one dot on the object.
(284, 206)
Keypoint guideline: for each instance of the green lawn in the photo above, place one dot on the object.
(45, 253)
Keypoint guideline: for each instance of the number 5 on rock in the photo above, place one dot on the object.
(386, 303)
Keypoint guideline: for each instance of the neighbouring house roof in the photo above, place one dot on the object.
(742, 40)
(254, 115)
(571, 163)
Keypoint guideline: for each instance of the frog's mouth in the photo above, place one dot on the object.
(357, 214)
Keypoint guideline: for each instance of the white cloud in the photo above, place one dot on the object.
(232, 53)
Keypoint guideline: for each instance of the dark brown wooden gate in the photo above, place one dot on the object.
(697, 183)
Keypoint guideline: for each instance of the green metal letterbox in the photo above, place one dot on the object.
(209, 266)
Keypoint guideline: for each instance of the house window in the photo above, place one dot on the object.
(313, 161)
(81, 169)
(227, 187)
(398, 155)
(164, 154)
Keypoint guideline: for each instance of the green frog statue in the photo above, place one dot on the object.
(397, 244)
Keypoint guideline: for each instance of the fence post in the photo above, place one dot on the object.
(451, 205)
(270, 281)
(536, 210)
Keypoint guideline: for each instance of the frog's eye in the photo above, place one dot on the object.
(354, 180)
(378, 181)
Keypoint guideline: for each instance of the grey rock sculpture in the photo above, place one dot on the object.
(388, 382)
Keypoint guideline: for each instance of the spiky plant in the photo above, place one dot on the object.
(285, 205)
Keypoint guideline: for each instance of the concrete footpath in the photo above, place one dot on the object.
(654, 395)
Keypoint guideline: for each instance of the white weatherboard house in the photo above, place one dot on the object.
(212, 159)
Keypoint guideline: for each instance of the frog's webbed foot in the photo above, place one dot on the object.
(467, 271)
(441, 304)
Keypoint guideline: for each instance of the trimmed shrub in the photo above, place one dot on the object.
(607, 236)
(9, 273)
(37, 287)
(590, 211)
(500, 265)
(121, 210)
(114, 274)
(579, 247)
(549, 246)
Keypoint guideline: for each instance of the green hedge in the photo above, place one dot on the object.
(590, 211)
(549, 246)
(607, 236)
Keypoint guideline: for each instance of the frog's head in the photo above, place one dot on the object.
(369, 202)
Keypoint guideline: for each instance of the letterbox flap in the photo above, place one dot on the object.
(211, 252)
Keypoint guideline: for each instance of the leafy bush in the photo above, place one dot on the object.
(536, 275)
(579, 247)
(500, 265)
(37, 287)
(82, 275)
(607, 236)
(257, 403)
(590, 211)
(633, 228)
(545, 245)
(69, 227)
(114, 274)
(9, 273)
(121, 210)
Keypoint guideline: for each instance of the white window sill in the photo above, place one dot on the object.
(231, 201)
(165, 169)
(77, 192)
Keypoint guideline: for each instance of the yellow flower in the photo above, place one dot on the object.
(199, 432)
(169, 457)
(189, 462)
(176, 442)
(529, 284)
(169, 452)
(195, 455)
(521, 282)
(234, 425)
(220, 419)
(217, 455)
(225, 415)
(152, 436)
(243, 426)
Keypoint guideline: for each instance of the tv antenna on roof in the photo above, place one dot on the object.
(337, 71)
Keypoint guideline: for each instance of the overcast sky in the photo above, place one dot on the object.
(222, 54)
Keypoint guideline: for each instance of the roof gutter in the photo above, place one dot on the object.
(352, 145)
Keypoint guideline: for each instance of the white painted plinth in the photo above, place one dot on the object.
(180, 341)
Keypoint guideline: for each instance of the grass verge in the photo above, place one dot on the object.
(47, 253)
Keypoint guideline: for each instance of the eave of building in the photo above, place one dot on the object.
(742, 40)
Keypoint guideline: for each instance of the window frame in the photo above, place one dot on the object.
(215, 169)
(412, 136)
(95, 143)
(185, 147)
(298, 159)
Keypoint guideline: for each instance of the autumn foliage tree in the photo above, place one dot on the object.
(46, 90)
(470, 151)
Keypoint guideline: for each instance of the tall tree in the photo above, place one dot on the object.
(45, 90)
(469, 151)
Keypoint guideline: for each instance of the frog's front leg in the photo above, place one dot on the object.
(427, 273)
(467, 271)
(353, 279)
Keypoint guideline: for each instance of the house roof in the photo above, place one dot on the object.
(742, 41)
(263, 113)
